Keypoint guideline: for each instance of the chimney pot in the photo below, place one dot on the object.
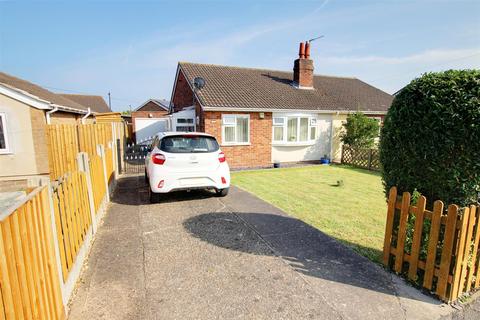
(307, 50)
(301, 51)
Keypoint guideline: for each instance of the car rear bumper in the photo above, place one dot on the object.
(189, 181)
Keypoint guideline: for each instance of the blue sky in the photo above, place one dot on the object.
(132, 48)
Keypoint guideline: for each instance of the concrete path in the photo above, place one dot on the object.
(195, 256)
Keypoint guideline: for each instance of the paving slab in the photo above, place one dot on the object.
(196, 256)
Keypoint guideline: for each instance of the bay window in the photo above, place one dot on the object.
(235, 129)
(294, 129)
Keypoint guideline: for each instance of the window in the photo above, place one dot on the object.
(278, 129)
(185, 125)
(4, 148)
(292, 129)
(313, 128)
(236, 129)
(188, 144)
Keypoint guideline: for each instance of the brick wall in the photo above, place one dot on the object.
(60, 117)
(258, 153)
(39, 134)
(183, 96)
(13, 185)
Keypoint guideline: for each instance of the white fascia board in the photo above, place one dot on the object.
(32, 100)
(230, 109)
(68, 109)
(25, 97)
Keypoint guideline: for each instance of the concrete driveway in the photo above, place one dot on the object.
(196, 256)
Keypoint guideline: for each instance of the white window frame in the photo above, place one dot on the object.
(185, 124)
(234, 125)
(3, 119)
(312, 123)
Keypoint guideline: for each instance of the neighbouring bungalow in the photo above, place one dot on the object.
(149, 118)
(262, 116)
(95, 103)
(25, 110)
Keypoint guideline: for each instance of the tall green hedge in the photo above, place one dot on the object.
(430, 140)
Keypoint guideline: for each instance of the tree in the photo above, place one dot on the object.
(430, 140)
(360, 131)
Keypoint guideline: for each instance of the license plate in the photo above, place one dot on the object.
(192, 181)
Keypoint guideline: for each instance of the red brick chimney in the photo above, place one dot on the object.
(303, 68)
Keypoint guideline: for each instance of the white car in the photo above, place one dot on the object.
(185, 161)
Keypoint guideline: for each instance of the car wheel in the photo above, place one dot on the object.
(146, 177)
(154, 197)
(222, 192)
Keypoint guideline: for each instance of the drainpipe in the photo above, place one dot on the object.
(48, 113)
(86, 116)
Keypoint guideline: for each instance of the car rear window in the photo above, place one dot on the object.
(188, 144)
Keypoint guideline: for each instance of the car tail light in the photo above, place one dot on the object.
(160, 184)
(158, 158)
(221, 157)
(224, 181)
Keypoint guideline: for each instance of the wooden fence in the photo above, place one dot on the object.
(436, 249)
(72, 217)
(98, 180)
(46, 238)
(362, 158)
(109, 152)
(66, 141)
(29, 282)
(62, 149)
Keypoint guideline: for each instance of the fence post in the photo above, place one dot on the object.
(114, 148)
(84, 166)
(111, 145)
(58, 260)
(119, 157)
(101, 153)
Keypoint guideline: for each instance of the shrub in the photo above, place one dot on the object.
(430, 140)
(360, 131)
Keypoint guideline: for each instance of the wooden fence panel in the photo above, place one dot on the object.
(63, 147)
(109, 163)
(72, 217)
(362, 158)
(448, 259)
(29, 283)
(98, 182)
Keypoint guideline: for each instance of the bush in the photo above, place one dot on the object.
(360, 131)
(430, 140)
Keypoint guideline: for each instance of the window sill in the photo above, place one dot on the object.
(235, 144)
(5, 152)
(293, 144)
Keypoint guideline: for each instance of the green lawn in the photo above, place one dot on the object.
(354, 212)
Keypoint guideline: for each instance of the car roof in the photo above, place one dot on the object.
(176, 133)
